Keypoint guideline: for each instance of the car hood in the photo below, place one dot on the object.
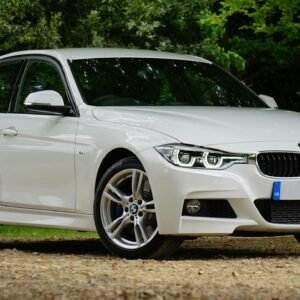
(207, 126)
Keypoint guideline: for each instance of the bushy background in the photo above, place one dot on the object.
(257, 40)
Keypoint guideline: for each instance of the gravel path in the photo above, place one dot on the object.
(207, 268)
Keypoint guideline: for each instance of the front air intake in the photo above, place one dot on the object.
(279, 164)
(279, 212)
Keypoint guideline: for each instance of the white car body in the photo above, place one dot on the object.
(49, 166)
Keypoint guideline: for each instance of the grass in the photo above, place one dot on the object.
(8, 231)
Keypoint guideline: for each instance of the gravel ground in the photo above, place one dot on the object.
(206, 268)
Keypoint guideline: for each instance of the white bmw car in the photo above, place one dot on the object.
(147, 148)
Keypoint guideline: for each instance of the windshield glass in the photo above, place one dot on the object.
(158, 82)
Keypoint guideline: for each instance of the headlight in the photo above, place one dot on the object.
(198, 157)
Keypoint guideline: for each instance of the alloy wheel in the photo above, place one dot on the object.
(127, 209)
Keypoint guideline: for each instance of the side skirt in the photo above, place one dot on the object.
(44, 218)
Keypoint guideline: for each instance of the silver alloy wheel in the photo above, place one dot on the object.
(127, 209)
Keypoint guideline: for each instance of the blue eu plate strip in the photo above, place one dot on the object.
(276, 190)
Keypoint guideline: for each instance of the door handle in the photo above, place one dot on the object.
(10, 131)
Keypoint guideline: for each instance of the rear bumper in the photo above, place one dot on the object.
(241, 185)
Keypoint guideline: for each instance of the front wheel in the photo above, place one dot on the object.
(125, 214)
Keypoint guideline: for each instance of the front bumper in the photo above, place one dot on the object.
(241, 185)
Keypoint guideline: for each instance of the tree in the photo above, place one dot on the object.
(26, 24)
(267, 35)
(259, 40)
(158, 24)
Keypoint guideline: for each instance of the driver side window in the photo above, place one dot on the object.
(40, 76)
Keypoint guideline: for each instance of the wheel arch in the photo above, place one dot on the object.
(110, 158)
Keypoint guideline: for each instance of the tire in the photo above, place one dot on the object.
(125, 216)
(297, 237)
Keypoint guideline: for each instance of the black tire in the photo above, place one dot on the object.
(297, 237)
(158, 247)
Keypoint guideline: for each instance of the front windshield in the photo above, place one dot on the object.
(158, 82)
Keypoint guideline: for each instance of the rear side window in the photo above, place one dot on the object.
(8, 76)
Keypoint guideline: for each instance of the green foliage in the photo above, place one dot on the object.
(263, 32)
(251, 30)
(25, 24)
(253, 38)
(158, 24)
(266, 33)
(16, 232)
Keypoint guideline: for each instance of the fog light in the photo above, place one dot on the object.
(193, 206)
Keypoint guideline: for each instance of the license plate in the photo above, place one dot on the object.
(287, 190)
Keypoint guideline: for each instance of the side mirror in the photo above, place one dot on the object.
(47, 101)
(270, 101)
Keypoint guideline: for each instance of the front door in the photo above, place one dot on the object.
(37, 150)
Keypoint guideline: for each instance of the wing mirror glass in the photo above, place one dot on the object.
(47, 101)
(270, 101)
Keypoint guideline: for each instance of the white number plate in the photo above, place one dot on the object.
(286, 190)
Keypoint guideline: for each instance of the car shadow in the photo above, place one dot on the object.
(84, 246)
(238, 248)
(208, 248)
(217, 253)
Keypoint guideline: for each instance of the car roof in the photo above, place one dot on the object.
(88, 53)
